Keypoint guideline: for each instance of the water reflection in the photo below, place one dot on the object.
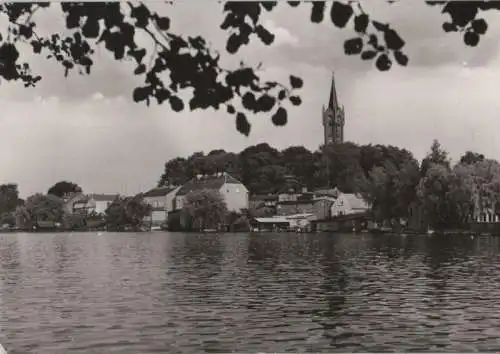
(160, 292)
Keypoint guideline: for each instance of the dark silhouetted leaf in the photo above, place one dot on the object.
(248, 101)
(461, 12)
(72, 20)
(242, 124)
(340, 13)
(373, 40)
(265, 36)
(176, 103)
(471, 38)
(37, 46)
(368, 54)
(280, 117)
(479, 26)
(296, 82)
(282, 95)
(138, 54)
(141, 69)
(141, 14)
(393, 40)
(234, 43)
(91, 28)
(383, 63)
(379, 26)
(230, 109)
(353, 46)
(401, 58)
(296, 100)
(268, 5)
(140, 94)
(361, 23)
(162, 95)
(265, 103)
(294, 3)
(449, 27)
(317, 11)
(25, 31)
(163, 23)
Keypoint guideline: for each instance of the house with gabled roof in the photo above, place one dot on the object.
(349, 203)
(92, 203)
(234, 192)
(161, 200)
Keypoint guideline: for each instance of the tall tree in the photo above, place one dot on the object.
(436, 156)
(174, 173)
(300, 162)
(191, 63)
(9, 198)
(39, 208)
(470, 158)
(483, 179)
(204, 209)
(9, 201)
(64, 189)
(446, 198)
(127, 213)
(340, 163)
(391, 189)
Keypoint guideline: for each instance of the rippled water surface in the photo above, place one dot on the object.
(187, 293)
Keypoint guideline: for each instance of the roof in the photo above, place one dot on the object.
(303, 201)
(329, 192)
(158, 192)
(299, 216)
(271, 220)
(207, 182)
(103, 197)
(263, 197)
(356, 202)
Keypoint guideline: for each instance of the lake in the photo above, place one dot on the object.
(189, 293)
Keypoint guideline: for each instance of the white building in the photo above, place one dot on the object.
(161, 200)
(93, 203)
(234, 192)
(348, 203)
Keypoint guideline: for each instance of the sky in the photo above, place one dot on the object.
(87, 129)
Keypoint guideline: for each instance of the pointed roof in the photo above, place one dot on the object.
(207, 182)
(333, 102)
(159, 191)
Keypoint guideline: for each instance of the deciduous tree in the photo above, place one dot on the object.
(204, 209)
(63, 189)
(127, 213)
(447, 199)
(40, 208)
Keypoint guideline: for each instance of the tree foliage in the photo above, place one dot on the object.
(264, 169)
(40, 208)
(178, 62)
(447, 199)
(127, 213)
(204, 209)
(9, 201)
(64, 189)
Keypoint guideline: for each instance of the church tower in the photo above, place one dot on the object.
(333, 118)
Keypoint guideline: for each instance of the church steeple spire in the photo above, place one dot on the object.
(333, 102)
(333, 118)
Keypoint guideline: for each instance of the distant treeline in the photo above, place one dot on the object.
(390, 178)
